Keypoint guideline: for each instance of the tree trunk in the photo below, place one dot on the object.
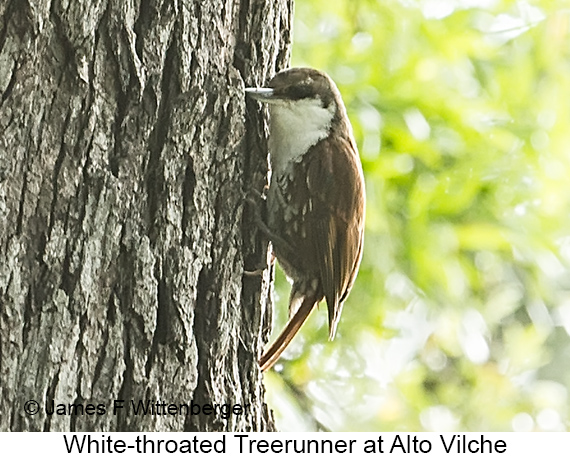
(124, 236)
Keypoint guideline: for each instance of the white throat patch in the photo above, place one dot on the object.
(295, 126)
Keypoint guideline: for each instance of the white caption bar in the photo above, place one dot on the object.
(267, 444)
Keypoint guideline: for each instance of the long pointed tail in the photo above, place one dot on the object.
(273, 352)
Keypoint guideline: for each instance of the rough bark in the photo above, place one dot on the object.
(124, 161)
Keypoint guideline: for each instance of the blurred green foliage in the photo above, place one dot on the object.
(460, 316)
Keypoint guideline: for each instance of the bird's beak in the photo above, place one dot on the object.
(263, 94)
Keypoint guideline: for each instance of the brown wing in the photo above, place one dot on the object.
(330, 234)
(336, 187)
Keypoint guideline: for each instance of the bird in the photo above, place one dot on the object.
(316, 198)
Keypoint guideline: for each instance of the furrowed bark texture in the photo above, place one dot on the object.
(124, 161)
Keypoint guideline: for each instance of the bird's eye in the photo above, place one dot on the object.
(300, 91)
